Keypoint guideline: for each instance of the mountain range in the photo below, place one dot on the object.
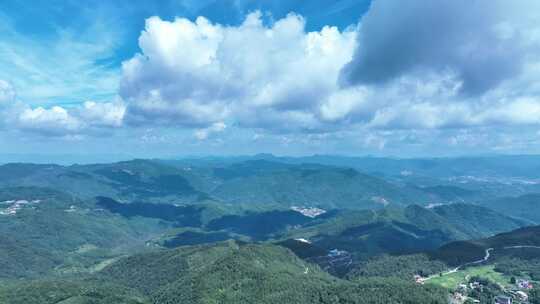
(266, 228)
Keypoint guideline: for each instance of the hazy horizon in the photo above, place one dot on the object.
(82, 159)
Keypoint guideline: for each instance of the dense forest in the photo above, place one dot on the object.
(156, 232)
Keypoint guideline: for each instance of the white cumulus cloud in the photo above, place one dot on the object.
(279, 78)
(88, 118)
(198, 73)
(104, 114)
(55, 120)
(407, 72)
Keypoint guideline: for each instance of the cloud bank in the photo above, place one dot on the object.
(413, 65)
(481, 43)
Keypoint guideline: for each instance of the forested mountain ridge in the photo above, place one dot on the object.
(457, 253)
(60, 233)
(397, 231)
(525, 207)
(89, 232)
(249, 182)
(243, 273)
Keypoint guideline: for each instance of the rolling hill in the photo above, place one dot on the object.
(55, 232)
(44, 231)
(312, 185)
(245, 273)
(526, 207)
(54, 291)
(458, 253)
(397, 231)
(156, 232)
(249, 182)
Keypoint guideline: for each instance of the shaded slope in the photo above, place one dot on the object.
(236, 273)
(50, 230)
(67, 292)
(411, 229)
(311, 185)
(526, 207)
(458, 253)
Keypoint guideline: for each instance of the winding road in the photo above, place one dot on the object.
(484, 259)
(454, 270)
(521, 246)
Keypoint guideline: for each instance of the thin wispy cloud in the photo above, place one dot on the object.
(67, 66)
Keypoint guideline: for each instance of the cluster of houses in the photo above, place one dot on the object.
(419, 279)
(460, 295)
(334, 260)
(13, 206)
(524, 284)
(513, 295)
(517, 293)
(309, 211)
(503, 300)
(303, 240)
(334, 253)
(380, 200)
(71, 208)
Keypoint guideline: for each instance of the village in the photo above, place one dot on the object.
(336, 261)
(309, 211)
(14, 206)
(516, 292)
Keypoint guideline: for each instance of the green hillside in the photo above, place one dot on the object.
(399, 230)
(68, 292)
(314, 185)
(505, 264)
(477, 221)
(250, 182)
(458, 253)
(44, 231)
(236, 273)
(64, 234)
(154, 232)
(526, 207)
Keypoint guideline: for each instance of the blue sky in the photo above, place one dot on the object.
(168, 78)
(116, 26)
